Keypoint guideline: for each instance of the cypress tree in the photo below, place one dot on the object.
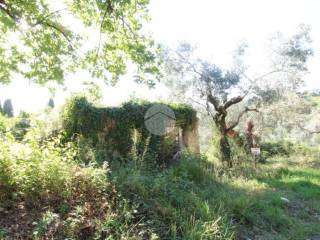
(8, 108)
(51, 103)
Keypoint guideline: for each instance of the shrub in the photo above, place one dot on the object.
(5, 124)
(21, 125)
(48, 172)
(270, 149)
(177, 203)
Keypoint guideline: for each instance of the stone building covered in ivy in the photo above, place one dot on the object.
(138, 130)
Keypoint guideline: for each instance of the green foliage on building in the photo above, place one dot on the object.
(121, 129)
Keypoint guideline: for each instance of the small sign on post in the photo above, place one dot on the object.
(255, 152)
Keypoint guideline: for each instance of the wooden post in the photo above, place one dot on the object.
(255, 152)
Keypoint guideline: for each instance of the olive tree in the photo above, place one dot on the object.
(282, 103)
(216, 89)
(220, 90)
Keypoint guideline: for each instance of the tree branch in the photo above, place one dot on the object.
(199, 103)
(233, 101)
(233, 125)
(125, 24)
(258, 78)
(4, 8)
(40, 21)
(109, 9)
(189, 63)
(307, 130)
(214, 102)
(48, 24)
(213, 116)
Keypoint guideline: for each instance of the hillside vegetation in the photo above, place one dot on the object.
(57, 189)
(316, 100)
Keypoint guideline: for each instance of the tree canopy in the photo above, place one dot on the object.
(37, 41)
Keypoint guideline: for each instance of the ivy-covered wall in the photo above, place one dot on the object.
(120, 129)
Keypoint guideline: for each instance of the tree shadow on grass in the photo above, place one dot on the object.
(305, 184)
(182, 201)
(189, 201)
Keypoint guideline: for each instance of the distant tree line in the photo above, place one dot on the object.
(7, 107)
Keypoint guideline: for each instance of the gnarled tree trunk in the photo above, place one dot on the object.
(220, 121)
(225, 150)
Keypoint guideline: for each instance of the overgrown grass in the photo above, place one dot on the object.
(271, 202)
(178, 203)
(51, 189)
(285, 199)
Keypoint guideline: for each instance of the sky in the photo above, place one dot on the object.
(216, 27)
